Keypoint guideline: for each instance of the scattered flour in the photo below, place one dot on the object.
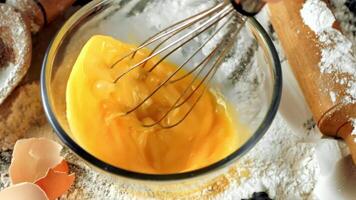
(283, 164)
(354, 128)
(346, 19)
(337, 55)
(13, 27)
(332, 96)
(316, 16)
(20, 112)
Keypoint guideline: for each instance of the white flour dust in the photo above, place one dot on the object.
(22, 111)
(346, 19)
(332, 96)
(13, 27)
(317, 16)
(354, 128)
(337, 55)
(283, 164)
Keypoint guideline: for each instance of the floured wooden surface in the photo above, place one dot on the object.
(15, 49)
(21, 112)
(22, 116)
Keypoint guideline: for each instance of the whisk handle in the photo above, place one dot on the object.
(248, 7)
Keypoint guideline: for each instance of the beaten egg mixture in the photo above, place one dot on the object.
(96, 105)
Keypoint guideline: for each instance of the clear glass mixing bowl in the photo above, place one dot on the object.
(250, 78)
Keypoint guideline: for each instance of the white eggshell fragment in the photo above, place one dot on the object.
(23, 191)
(32, 158)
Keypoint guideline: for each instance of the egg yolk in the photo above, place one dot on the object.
(98, 102)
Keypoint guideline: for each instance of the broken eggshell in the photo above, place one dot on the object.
(32, 158)
(23, 191)
(55, 183)
(62, 167)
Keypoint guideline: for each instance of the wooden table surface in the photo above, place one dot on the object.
(89, 183)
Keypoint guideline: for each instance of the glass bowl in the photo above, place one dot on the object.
(250, 78)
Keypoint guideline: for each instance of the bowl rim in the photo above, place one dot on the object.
(96, 162)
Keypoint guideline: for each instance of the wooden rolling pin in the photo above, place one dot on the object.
(303, 51)
(18, 18)
(40, 12)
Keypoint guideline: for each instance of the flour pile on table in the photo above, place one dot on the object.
(282, 164)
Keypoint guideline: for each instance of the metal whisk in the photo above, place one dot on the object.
(229, 14)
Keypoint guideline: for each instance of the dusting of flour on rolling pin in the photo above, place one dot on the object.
(336, 51)
(6, 53)
(31, 11)
(337, 56)
(354, 129)
(317, 16)
(15, 49)
(322, 60)
(40, 12)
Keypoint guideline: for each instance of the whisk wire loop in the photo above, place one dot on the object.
(192, 34)
(175, 28)
(196, 52)
(213, 69)
(223, 15)
(174, 106)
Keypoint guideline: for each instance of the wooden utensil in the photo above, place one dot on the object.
(40, 12)
(303, 50)
(17, 18)
(15, 49)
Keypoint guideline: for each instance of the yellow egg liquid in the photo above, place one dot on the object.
(96, 107)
